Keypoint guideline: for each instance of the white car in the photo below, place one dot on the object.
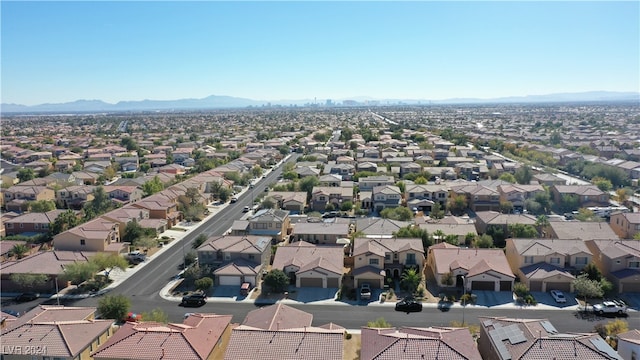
(558, 296)
(610, 307)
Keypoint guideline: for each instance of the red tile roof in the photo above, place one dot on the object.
(277, 317)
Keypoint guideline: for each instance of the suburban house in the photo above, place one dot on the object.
(160, 208)
(584, 230)
(517, 194)
(271, 222)
(433, 192)
(546, 264)
(625, 225)
(308, 265)
(49, 263)
(75, 196)
(503, 338)
(386, 196)
(548, 179)
(235, 259)
(124, 194)
(379, 226)
(58, 332)
(629, 344)
(323, 233)
(369, 182)
(277, 317)
(321, 196)
(444, 229)
(293, 201)
(421, 343)
(199, 337)
(619, 261)
(478, 197)
(488, 219)
(587, 195)
(17, 196)
(375, 259)
(473, 269)
(98, 234)
(31, 222)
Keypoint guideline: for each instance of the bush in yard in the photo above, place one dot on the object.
(114, 307)
(204, 284)
(276, 280)
(520, 289)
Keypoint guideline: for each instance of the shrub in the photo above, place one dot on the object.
(520, 289)
(347, 335)
(465, 298)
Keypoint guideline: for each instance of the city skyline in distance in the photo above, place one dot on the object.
(59, 52)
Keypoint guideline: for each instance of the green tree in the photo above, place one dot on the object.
(100, 204)
(308, 183)
(508, 178)
(592, 272)
(27, 281)
(602, 183)
(415, 232)
(436, 211)
(129, 143)
(108, 262)
(156, 315)
(114, 307)
(204, 284)
(523, 175)
(79, 272)
(400, 213)
(145, 242)
(506, 207)
(276, 280)
(609, 331)
(25, 174)
(587, 288)
(132, 232)
(484, 241)
(199, 240)
(256, 171)
(420, 180)
(522, 231)
(457, 204)
(42, 206)
(379, 323)
(152, 186)
(569, 203)
(64, 222)
(542, 223)
(346, 206)
(410, 279)
(19, 250)
(268, 203)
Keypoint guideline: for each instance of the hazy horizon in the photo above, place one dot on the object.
(57, 52)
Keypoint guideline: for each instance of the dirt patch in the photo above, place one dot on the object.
(351, 347)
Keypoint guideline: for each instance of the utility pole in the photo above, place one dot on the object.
(464, 300)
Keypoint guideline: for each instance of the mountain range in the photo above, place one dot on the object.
(221, 102)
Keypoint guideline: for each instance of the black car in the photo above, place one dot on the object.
(197, 299)
(409, 305)
(28, 296)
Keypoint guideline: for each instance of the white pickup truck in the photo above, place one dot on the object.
(610, 307)
(365, 291)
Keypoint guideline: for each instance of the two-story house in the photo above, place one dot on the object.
(479, 197)
(98, 234)
(386, 196)
(517, 194)
(434, 192)
(587, 195)
(17, 197)
(547, 264)
(308, 265)
(31, 222)
(619, 261)
(323, 233)
(75, 196)
(377, 258)
(369, 182)
(270, 222)
(123, 194)
(293, 201)
(160, 208)
(321, 196)
(625, 225)
(236, 259)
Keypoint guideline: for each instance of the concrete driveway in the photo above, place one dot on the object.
(545, 298)
(228, 292)
(493, 298)
(632, 300)
(312, 294)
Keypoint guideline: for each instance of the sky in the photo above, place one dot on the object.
(54, 52)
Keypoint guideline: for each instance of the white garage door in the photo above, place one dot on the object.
(230, 280)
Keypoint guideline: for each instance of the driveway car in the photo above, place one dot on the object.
(409, 305)
(246, 209)
(28, 296)
(610, 307)
(196, 299)
(558, 296)
(365, 291)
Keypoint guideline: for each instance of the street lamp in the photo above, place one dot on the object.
(464, 297)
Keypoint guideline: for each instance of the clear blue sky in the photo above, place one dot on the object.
(112, 51)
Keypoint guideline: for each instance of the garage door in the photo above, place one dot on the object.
(562, 286)
(535, 286)
(229, 280)
(333, 283)
(482, 285)
(631, 287)
(375, 283)
(310, 282)
(505, 285)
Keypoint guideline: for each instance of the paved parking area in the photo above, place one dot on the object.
(312, 294)
(229, 292)
(545, 298)
(493, 298)
(633, 300)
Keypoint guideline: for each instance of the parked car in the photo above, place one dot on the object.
(246, 209)
(610, 307)
(558, 296)
(27, 296)
(409, 305)
(233, 200)
(245, 288)
(195, 299)
(365, 291)
(136, 256)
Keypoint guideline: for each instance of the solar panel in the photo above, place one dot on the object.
(602, 346)
(548, 327)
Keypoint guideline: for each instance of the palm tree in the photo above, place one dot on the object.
(410, 279)
(19, 250)
(542, 222)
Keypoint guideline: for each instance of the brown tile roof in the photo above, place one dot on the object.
(247, 244)
(418, 343)
(309, 343)
(330, 258)
(194, 339)
(473, 260)
(582, 230)
(380, 246)
(277, 317)
(44, 262)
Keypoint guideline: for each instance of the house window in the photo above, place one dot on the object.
(634, 264)
(373, 261)
(9, 225)
(387, 257)
(528, 259)
(83, 242)
(36, 226)
(555, 260)
(251, 256)
(581, 260)
(411, 259)
(21, 225)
